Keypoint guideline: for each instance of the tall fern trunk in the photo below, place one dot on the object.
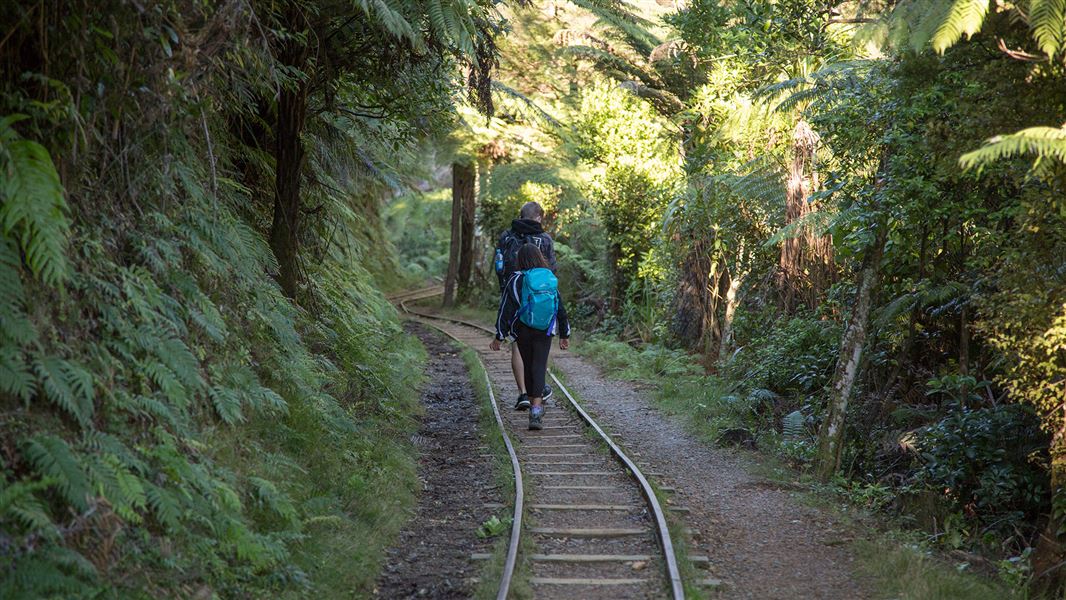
(693, 296)
(831, 437)
(805, 265)
(464, 179)
(456, 238)
(1050, 552)
(289, 159)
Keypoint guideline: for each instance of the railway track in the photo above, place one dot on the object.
(591, 517)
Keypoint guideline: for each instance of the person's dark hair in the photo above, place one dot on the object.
(530, 257)
(531, 210)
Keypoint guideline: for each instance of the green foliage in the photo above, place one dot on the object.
(32, 207)
(964, 457)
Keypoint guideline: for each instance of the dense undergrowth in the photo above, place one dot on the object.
(181, 413)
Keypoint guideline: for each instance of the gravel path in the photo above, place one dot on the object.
(762, 542)
(431, 558)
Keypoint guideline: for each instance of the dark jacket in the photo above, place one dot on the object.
(532, 232)
(510, 302)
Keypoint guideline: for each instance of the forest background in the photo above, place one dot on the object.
(839, 227)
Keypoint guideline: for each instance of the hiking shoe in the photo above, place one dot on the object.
(547, 392)
(535, 415)
(523, 402)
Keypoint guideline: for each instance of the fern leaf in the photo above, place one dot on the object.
(1046, 143)
(1048, 21)
(67, 385)
(227, 404)
(52, 459)
(15, 376)
(32, 206)
(965, 17)
(164, 506)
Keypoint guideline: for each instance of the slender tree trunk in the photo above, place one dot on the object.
(464, 182)
(456, 241)
(617, 278)
(289, 159)
(736, 279)
(831, 437)
(1049, 556)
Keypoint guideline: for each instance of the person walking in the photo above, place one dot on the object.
(526, 229)
(531, 314)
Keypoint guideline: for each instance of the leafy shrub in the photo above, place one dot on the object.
(988, 461)
(790, 357)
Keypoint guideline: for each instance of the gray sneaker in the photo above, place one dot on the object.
(535, 415)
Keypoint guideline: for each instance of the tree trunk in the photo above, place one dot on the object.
(289, 159)
(831, 437)
(736, 279)
(805, 264)
(463, 185)
(1049, 556)
(456, 240)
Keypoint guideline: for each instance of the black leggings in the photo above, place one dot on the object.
(534, 346)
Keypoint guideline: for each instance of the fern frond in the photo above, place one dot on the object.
(1044, 143)
(227, 404)
(1048, 21)
(164, 506)
(32, 206)
(52, 459)
(965, 17)
(68, 385)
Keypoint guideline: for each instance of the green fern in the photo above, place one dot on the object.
(1048, 21)
(1047, 144)
(66, 384)
(965, 17)
(18, 502)
(33, 208)
(792, 425)
(52, 458)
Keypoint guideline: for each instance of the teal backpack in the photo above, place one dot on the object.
(540, 300)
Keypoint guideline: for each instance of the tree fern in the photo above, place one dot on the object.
(965, 17)
(1046, 144)
(33, 208)
(52, 458)
(1048, 21)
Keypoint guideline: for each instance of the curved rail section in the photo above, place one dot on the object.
(511, 559)
(663, 533)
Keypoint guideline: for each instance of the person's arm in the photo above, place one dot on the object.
(508, 308)
(562, 323)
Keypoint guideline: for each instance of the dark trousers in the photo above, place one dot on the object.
(534, 345)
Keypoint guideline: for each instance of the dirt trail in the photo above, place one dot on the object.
(762, 542)
(431, 558)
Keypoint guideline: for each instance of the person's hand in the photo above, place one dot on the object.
(564, 343)
(495, 345)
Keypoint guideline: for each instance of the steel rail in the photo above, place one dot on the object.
(511, 559)
(665, 543)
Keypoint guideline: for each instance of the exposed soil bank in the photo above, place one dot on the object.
(761, 541)
(431, 558)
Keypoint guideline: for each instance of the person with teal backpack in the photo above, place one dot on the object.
(531, 314)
